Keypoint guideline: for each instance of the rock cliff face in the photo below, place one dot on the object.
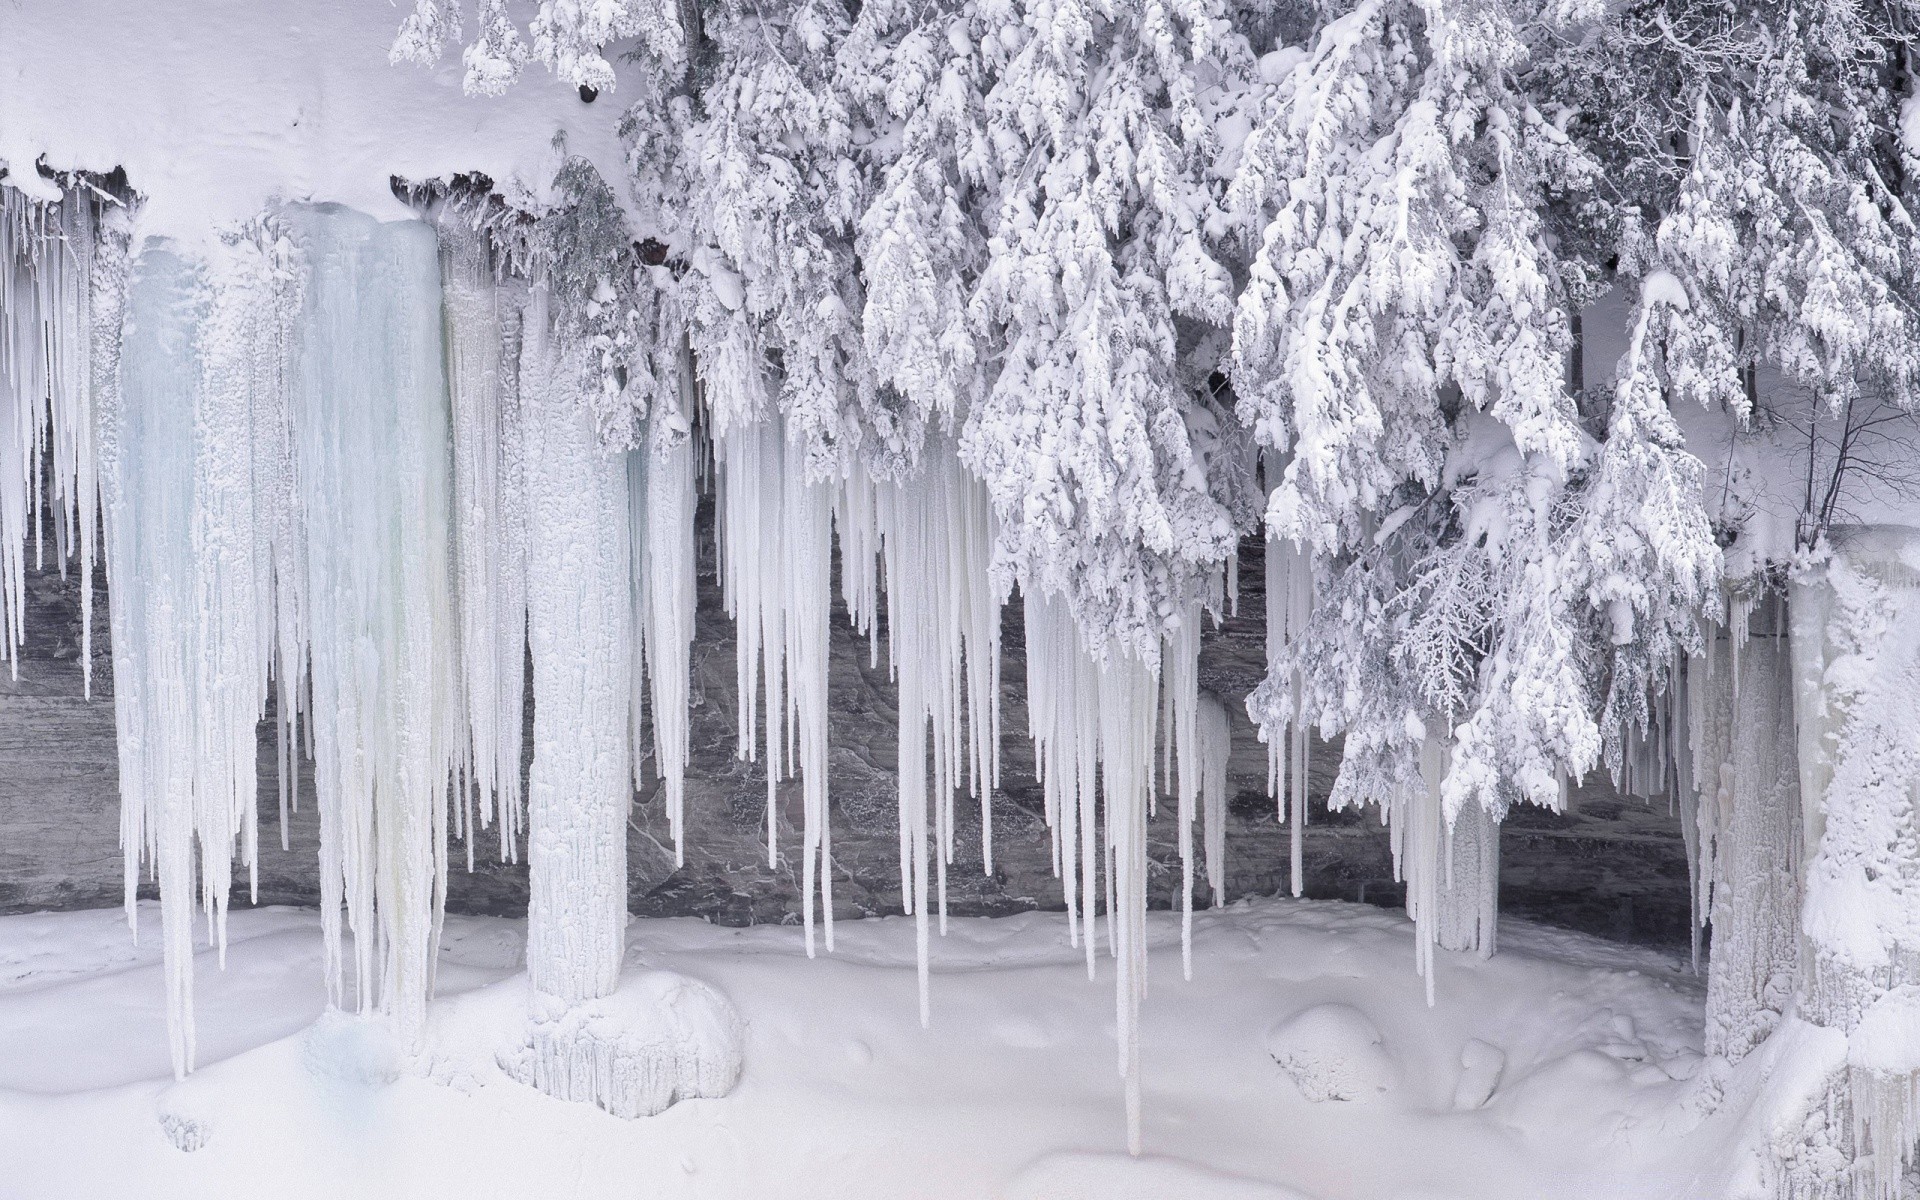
(1612, 865)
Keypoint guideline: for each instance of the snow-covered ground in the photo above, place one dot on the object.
(1012, 1091)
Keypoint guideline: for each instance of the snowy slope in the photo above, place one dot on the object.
(1011, 1092)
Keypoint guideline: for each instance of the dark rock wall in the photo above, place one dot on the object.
(1611, 866)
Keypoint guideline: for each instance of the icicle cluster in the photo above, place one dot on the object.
(934, 532)
(1748, 834)
(195, 460)
(50, 255)
(1279, 706)
(374, 485)
(1093, 726)
(485, 334)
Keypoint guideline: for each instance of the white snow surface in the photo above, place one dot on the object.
(289, 100)
(1010, 1092)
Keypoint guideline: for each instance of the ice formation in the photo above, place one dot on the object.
(1093, 732)
(934, 533)
(1855, 654)
(349, 474)
(484, 338)
(192, 597)
(1289, 604)
(1469, 891)
(658, 1039)
(1749, 818)
(776, 529)
(662, 498)
(372, 457)
(578, 629)
(49, 254)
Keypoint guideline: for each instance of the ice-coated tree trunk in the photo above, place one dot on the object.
(632, 1047)
(579, 627)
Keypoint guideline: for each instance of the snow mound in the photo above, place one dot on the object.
(659, 1039)
(345, 1048)
(1087, 1176)
(1333, 1052)
(1480, 1066)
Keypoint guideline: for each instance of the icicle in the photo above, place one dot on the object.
(1093, 721)
(1063, 698)
(943, 642)
(1686, 791)
(750, 460)
(482, 320)
(1127, 712)
(807, 585)
(1289, 606)
(1216, 749)
(373, 462)
(1416, 832)
(1180, 705)
(776, 571)
(1739, 629)
(666, 590)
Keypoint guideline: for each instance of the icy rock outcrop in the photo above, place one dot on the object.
(659, 1039)
(1857, 657)
(1333, 1052)
(1883, 1075)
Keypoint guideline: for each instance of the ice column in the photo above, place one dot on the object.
(1750, 836)
(373, 457)
(1469, 890)
(578, 606)
(193, 449)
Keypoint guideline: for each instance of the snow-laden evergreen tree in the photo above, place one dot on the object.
(1500, 560)
(568, 37)
(1101, 286)
(747, 165)
(1041, 264)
